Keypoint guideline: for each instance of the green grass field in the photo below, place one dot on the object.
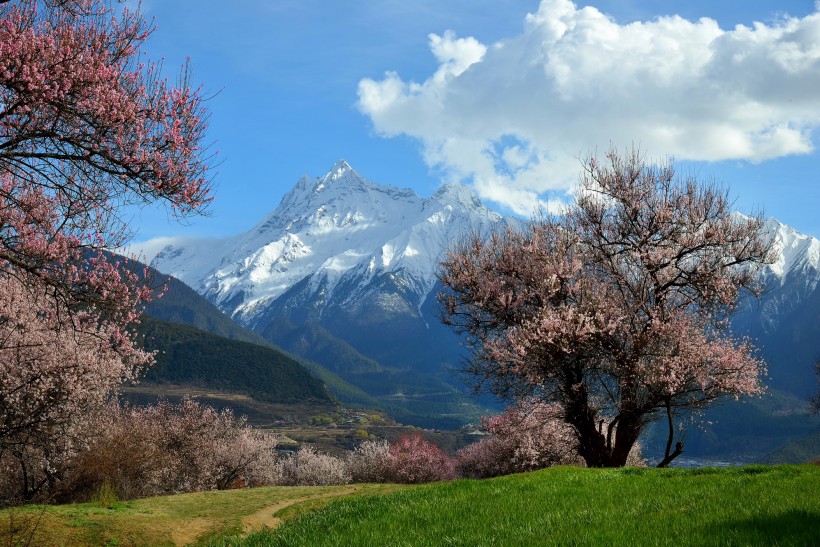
(752, 505)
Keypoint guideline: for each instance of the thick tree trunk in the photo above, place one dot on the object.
(595, 442)
(598, 446)
(592, 444)
(627, 431)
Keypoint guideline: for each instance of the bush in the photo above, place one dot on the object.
(107, 495)
(489, 457)
(370, 462)
(169, 449)
(413, 459)
(526, 437)
(307, 467)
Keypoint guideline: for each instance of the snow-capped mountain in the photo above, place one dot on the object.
(785, 320)
(798, 256)
(357, 257)
(360, 259)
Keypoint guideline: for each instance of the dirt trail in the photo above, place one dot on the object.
(188, 531)
(265, 518)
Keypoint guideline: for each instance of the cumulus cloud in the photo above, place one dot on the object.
(514, 117)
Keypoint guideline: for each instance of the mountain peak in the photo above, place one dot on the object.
(796, 251)
(339, 169)
(341, 172)
(457, 193)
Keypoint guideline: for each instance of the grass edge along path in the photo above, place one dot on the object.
(182, 519)
(750, 505)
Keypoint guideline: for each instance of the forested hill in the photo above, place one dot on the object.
(191, 357)
(181, 304)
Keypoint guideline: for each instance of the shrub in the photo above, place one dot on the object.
(370, 462)
(526, 437)
(489, 457)
(307, 467)
(413, 459)
(167, 449)
(107, 495)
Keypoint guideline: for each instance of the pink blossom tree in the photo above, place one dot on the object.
(54, 372)
(87, 126)
(616, 309)
(166, 449)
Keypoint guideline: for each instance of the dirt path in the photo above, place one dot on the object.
(188, 531)
(265, 518)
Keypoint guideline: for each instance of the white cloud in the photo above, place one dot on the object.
(145, 251)
(514, 117)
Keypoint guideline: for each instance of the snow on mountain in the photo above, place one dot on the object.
(797, 255)
(326, 231)
(342, 230)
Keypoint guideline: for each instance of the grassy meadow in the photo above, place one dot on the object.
(752, 505)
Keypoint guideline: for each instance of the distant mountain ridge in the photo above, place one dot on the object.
(337, 232)
(358, 261)
(219, 354)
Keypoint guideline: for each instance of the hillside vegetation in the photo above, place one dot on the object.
(189, 356)
(181, 304)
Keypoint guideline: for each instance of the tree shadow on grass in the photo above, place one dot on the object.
(793, 527)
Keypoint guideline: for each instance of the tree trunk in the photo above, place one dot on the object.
(626, 435)
(593, 439)
(669, 456)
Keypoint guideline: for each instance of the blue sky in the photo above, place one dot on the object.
(502, 94)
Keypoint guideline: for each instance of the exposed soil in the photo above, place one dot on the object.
(266, 517)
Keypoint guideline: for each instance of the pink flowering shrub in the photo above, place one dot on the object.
(308, 467)
(527, 436)
(370, 462)
(486, 458)
(168, 449)
(55, 371)
(413, 459)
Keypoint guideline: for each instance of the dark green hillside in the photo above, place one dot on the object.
(182, 304)
(804, 449)
(189, 356)
(317, 344)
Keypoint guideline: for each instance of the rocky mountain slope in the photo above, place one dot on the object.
(345, 258)
(785, 320)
